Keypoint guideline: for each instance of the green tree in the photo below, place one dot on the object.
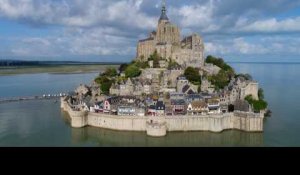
(220, 63)
(246, 76)
(173, 64)
(132, 71)
(220, 80)
(141, 64)
(224, 76)
(192, 74)
(105, 87)
(249, 99)
(105, 83)
(258, 105)
(101, 79)
(110, 72)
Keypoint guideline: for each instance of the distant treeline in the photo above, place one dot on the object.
(5, 63)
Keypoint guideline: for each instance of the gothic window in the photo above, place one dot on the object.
(165, 30)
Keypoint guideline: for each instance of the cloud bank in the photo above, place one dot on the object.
(112, 28)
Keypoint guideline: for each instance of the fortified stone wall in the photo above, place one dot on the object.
(78, 118)
(123, 123)
(215, 123)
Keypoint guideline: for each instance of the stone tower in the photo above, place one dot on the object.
(166, 40)
(167, 33)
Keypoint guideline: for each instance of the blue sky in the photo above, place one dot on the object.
(108, 30)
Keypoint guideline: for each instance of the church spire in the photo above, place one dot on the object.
(163, 15)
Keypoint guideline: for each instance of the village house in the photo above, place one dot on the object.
(197, 108)
(194, 97)
(206, 86)
(185, 87)
(214, 106)
(160, 108)
(181, 82)
(189, 89)
(242, 105)
(98, 107)
(140, 112)
(151, 111)
(135, 87)
(126, 110)
(207, 96)
(114, 89)
(111, 104)
(127, 88)
(168, 108)
(179, 106)
(177, 96)
(239, 88)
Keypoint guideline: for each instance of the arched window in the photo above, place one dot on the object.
(230, 108)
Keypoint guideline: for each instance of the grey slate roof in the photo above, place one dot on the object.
(178, 102)
(160, 105)
(163, 15)
(241, 105)
(185, 88)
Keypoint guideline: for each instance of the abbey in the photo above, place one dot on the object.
(169, 87)
(167, 41)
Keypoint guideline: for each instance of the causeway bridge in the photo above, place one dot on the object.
(28, 98)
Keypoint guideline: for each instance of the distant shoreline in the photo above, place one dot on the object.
(54, 69)
(260, 62)
(13, 63)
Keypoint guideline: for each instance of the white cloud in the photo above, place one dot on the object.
(105, 27)
(270, 25)
(194, 15)
(37, 41)
(243, 47)
(263, 46)
(76, 41)
(79, 13)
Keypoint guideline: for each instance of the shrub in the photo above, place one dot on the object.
(132, 71)
(192, 74)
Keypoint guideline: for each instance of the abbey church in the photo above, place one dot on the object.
(167, 41)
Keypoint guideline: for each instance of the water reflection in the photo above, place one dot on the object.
(104, 137)
(65, 117)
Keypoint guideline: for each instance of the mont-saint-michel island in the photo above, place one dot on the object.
(170, 86)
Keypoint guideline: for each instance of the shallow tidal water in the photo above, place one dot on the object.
(42, 123)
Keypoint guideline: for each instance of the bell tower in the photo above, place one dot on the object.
(167, 33)
(163, 16)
